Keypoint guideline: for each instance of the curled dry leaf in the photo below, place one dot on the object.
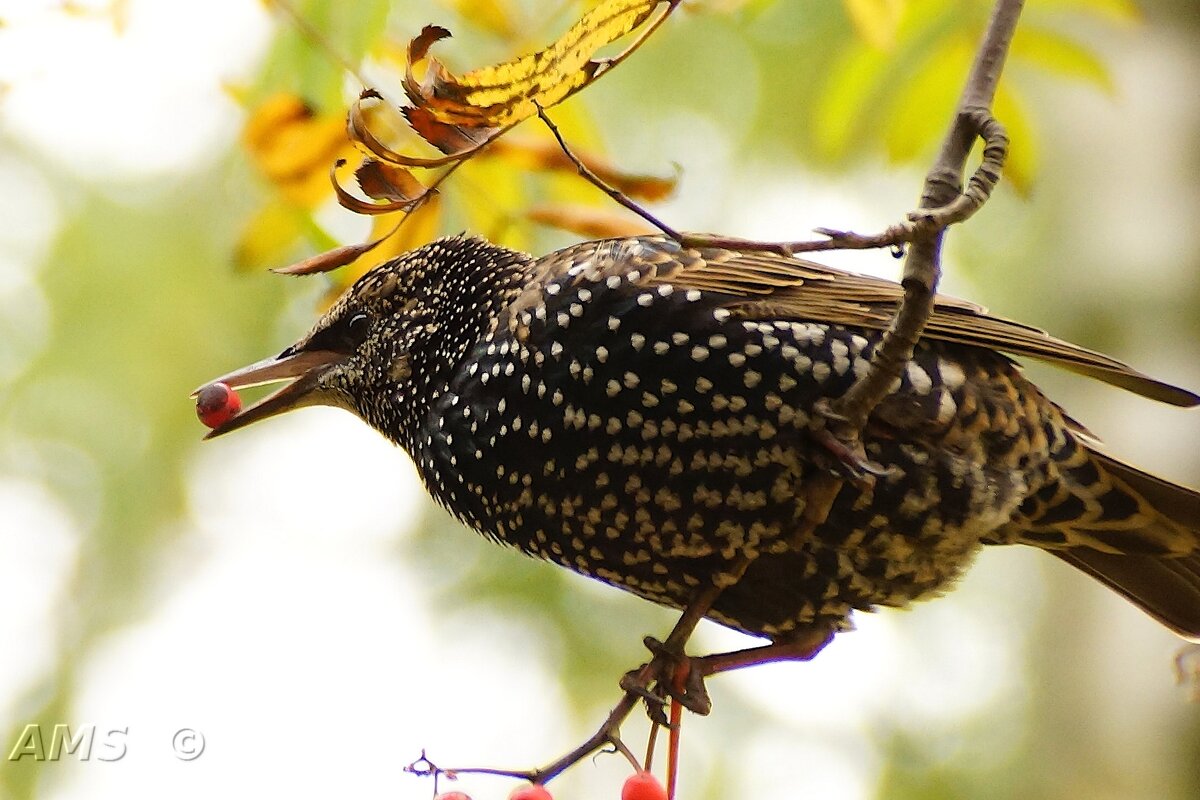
(402, 201)
(359, 124)
(450, 139)
(382, 181)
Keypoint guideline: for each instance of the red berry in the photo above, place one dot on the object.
(531, 791)
(453, 796)
(643, 786)
(216, 404)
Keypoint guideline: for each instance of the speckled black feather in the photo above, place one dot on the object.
(639, 413)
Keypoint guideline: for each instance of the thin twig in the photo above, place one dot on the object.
(651, 741)
(587, 174)
(920, 224)
(310, 32)
(942, 192)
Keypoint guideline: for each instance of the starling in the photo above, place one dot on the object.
(641, 412)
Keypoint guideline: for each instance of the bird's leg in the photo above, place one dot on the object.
(659, 669)
(800, 647)
(677, 679)
(692, 693)
(667, 656)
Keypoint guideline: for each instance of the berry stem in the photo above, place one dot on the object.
(677, 682)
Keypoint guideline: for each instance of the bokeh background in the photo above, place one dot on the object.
(291, 594)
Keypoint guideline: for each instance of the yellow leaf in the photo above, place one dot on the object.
(853, 79)
(420, 227)
(922, 106)
(875, 21)
(1124, 11)
(493, 194)
(503, 94)
(294, 146)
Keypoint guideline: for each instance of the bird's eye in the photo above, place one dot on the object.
(356, 328)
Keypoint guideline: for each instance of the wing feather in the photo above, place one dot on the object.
(766, 286)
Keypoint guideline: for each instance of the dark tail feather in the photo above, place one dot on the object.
(1167, 589)
(1138, 534)
(1177, 503)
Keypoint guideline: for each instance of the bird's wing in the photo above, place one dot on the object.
(766, 286)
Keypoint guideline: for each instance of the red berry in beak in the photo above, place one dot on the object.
(216, 404)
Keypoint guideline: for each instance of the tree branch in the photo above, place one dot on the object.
(942, 203)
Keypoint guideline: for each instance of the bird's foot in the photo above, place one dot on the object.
(803, 645)
(681, 677)
(848, 458)
(672, 679)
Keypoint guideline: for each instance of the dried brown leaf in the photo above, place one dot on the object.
(381, 181)
(360, 132)
(419, 46)
(360, 206)
(450, 139)
(327, 261)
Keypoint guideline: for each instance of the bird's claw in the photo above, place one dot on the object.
(677, 679)
(694, 695)
(849, 460)
(847, 463)
(633, 682)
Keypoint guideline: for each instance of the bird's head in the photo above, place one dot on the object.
(387, 346)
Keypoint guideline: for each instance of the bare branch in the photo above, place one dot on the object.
(943, 195)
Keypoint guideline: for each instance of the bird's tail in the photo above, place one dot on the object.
(1136, 533)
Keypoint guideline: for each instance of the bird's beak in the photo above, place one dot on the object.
(304, 369)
